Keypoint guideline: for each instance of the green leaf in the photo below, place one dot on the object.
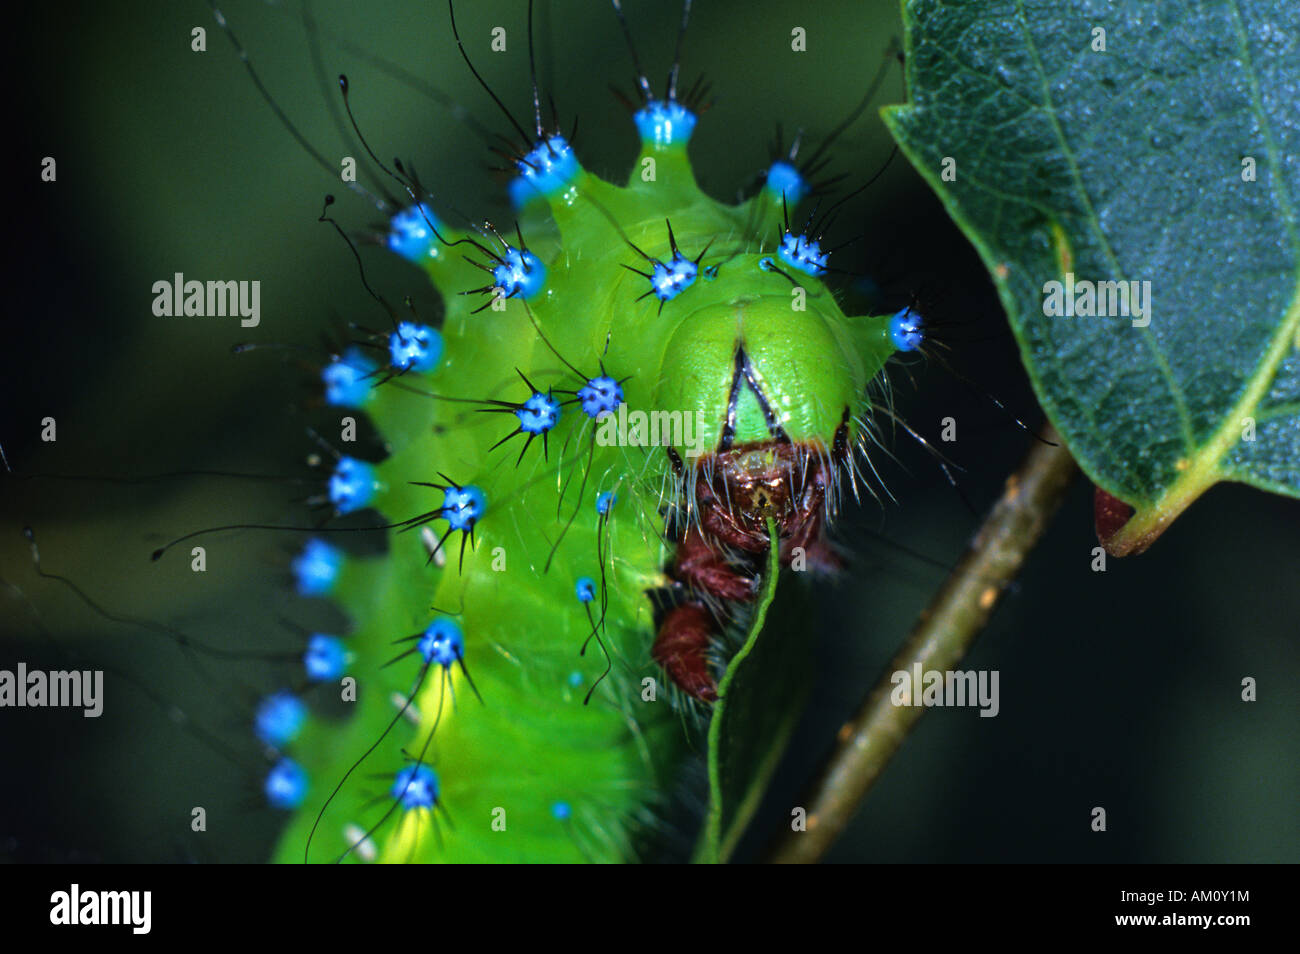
(1168, 157)
(760, 698)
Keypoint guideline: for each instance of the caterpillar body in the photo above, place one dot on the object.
(542, 456)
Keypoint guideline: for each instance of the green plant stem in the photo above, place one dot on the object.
(939, 639)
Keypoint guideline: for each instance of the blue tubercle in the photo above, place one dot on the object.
(799, 252)
(442, 643)
(347, 379)
(519, 273)
(562, 811)
(585, 589)
(416, 786)
(414, 347)
(316, 568)
(905, 330)
(663, 123)
(353, 485)
(669, 279)
(538, 414)
(547, 169)
(286, 785)
(280, 717)
(326, 658)
(410, 235)
(783, 179)
(604, 500)
(463, 506)
(600, 396)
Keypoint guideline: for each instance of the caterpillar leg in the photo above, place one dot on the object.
(720, 558)
(704, 567)
(682, 649)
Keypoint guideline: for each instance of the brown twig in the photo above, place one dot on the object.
(942, 634)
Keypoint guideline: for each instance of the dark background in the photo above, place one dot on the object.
(1118, 689)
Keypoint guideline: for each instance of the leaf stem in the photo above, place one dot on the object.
(939, 639)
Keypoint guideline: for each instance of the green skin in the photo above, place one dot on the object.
(504, 763)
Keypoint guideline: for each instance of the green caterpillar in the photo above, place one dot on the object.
(587, 459)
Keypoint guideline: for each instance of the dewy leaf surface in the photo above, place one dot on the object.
(1170, 157)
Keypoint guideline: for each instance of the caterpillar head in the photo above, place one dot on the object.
(781, 388)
